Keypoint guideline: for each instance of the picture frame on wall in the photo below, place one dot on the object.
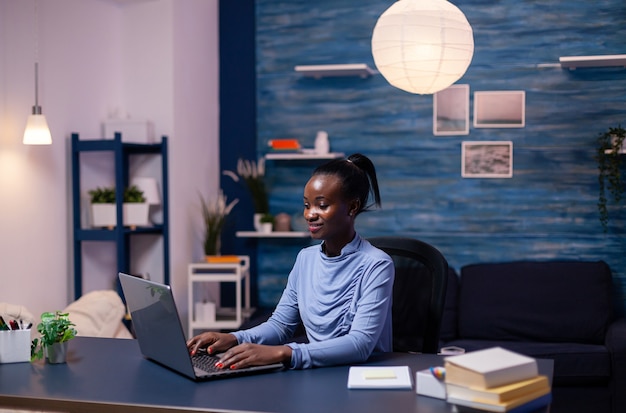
(500, 109)
(487, 159)
(451, 111)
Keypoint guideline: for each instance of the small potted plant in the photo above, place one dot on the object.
(610, 153)
(103, 208)
(56, 330)
(253, 176)
(214, 213)
(267, 223)
(136, 209)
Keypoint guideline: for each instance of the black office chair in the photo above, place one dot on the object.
(419, 293)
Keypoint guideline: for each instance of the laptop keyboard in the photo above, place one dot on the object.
(206, 362)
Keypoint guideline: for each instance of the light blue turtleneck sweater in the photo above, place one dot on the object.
(344, 303)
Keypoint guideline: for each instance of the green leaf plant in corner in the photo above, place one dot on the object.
(54, 328)
(610, 179)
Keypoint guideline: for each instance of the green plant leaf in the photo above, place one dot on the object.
(610, 175)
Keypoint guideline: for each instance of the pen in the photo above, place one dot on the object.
(3, 325)
(14, 325)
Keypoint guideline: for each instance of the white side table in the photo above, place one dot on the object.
(206, 273)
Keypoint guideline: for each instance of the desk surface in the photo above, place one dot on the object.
(111, 373)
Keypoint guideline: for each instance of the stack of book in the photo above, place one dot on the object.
(495, 380)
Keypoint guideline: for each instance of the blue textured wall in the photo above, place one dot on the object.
(546, 211)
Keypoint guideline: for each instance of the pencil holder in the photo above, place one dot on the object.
(14, 346)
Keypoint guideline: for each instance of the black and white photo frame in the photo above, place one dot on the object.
(487, 159)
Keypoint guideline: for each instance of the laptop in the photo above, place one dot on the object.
(160, 333)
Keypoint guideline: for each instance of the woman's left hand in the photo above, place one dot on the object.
(247, 354)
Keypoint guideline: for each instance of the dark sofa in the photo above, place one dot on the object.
(560, 310)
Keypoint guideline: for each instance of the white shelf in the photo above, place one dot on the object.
(351, 69)
(209, 273)
(294, 156)
(226, 319)
(576, 62)
(273, 234)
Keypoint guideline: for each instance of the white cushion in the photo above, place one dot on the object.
(99, 314)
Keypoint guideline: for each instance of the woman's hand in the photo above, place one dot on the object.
(212, 341)
(247, 354)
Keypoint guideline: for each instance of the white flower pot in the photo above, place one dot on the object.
(257, 221)
(103, 215)
(135, 215)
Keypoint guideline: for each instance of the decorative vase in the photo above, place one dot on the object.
(257, 221)
(57, 353)
(282, 222)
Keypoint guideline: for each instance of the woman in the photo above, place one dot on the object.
(340, 289)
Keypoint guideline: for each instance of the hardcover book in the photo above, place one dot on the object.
(526, 404)
(491, 367)
(499, 394)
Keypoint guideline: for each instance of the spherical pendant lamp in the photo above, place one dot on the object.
(422, 46)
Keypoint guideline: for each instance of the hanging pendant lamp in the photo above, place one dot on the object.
(422, 46)
(37, 131)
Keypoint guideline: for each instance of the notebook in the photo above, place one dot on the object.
(160, 333)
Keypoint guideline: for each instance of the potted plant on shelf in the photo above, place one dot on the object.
(56, 330)
(103, 209)
(610, 150)
(267, 223)
(136, 209)
(253, 175)
(214, 213)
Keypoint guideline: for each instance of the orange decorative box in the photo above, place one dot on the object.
(284, 144)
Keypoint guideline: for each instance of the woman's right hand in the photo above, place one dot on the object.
(212, 341)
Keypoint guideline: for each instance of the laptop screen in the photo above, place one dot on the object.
(156, 323)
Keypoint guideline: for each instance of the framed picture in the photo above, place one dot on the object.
(451, 111)
(500, 109)
(487, 159)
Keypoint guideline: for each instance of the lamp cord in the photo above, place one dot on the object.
(36, 108)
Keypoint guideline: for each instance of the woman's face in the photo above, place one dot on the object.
(329, 216)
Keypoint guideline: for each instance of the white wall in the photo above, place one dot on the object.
(150, 59)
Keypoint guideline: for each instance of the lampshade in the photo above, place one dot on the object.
(37, 131)
(150, 189)
(422, 46)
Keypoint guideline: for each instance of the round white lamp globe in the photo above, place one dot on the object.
(422, 46)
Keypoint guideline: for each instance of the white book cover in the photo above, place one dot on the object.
(493, 366)
(380, 377)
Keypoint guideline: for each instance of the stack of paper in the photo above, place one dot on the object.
(496, 380)
(387, 377)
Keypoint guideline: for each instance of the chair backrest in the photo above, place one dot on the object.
(419, 292)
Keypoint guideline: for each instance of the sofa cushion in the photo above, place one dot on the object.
(574, 364)
(556, 301)
(449, 317)
(99, 314)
